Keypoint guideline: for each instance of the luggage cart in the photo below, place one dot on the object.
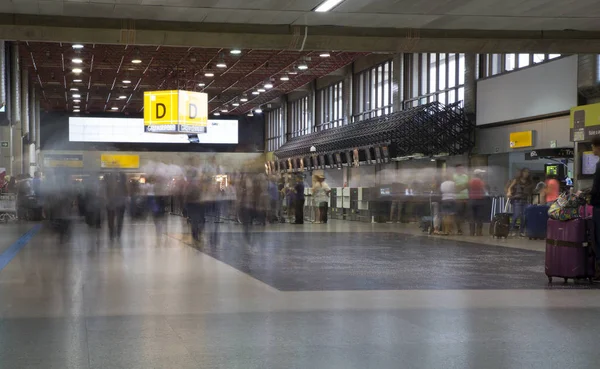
(8, 208)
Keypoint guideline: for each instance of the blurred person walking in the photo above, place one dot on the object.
(272, 189)
(116, 201)
(461, 181)
(320, 193)
(477, 195)
(448, 191)
(193, 204)
(299, 199)
(519, 193)
(157, 201)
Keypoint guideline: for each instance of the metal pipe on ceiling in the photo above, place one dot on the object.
(33, 133)
(2, 74)
(38, 122)
(15, 89)
(24, 102)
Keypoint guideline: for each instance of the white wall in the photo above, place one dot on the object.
(532, 92)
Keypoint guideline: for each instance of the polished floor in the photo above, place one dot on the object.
(342, 295)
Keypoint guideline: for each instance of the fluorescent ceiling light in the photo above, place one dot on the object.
(224, 110)
(76, 107)
(236, 52)
(216, 113)
(243, 99)
(122, 97)
(258, 110)
(201, 84)
(77, 61)
(126, 81)
(136, 61)
(76, 96)
(235, 104)
(76, 101)
(221, 64)
(302, 66)
(324, 54)
(77, 46)
(268, 85)
(114, 108)
(76, 110)
(250, 114)
(73, 89)
(261, 90)
(293, 72)
(255, 93)
(77, 80)
(77, 70)
(285, 77)
(209, 74)
(327, 5)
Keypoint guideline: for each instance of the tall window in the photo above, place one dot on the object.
(435, 77)
(492, 64)
(373, 91)
(330, 105)
(275, 129)
(301, 117)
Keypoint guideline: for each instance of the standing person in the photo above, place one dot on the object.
(461, 181)
(248, 201)
(551, 190)
(193, 204)
(299, 200)
(519, 193)
(290, 196)
(448, 191)
(595, 202)
(116, 199)
(477, 194)
(320, 192)
(273, 190)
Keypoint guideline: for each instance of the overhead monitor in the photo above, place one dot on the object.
(131, 130)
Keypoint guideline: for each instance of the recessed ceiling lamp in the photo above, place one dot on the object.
(76, 110)
(76, 101)
(122, 97)
(258, 110)
(224, 110)
(209, 74)
(324, 54)
(201, 84)
(255, 93)
(302, 66)
(216, 114)
(285, 77)
(235, 52)
(77, 80)
(126, 81)
(250, 114)
(73, 89)
(327, 5)
(221, 64)
(244, 98)
(77, 46)
(114, 108)
(136, 61)
(76, 96)
(261, 90)
(76, 107)
(235, 104)
(293, 72)
(77, 60)
(76, 70)
(269, 85)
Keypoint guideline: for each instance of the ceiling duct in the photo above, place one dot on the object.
(588, 78)
(2, 74)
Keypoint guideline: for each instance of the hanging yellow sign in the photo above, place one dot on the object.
(119, 161)
(175, 111)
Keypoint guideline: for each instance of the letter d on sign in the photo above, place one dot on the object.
(192, 111)
(158, 108)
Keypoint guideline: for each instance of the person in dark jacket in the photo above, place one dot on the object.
(519, 193)
(595, 202)
(299, 200)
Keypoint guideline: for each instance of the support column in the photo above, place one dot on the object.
(15, 98)
(32, 132)
(25, 119)
(38, 124)
(5, 131)
(470, 85)
(398, 81)
(347, 95)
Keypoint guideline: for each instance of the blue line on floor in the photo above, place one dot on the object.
(10, 253)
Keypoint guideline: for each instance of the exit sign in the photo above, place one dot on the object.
(4, 144)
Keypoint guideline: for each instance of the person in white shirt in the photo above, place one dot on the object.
(320, 193)
(448, 190)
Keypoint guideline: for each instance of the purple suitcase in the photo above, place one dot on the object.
(568, 251)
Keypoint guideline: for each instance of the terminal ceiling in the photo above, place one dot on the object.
(100, 87)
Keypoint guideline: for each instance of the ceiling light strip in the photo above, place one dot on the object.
(327, 5)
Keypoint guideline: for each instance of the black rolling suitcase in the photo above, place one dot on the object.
(500, 220)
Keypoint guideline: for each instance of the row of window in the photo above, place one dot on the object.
(428, 77)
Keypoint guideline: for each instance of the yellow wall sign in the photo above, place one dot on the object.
(585, 122)
(175, 111)
(119, 161)
(521, 139)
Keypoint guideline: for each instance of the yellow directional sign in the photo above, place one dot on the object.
(175, 111)
(119, 161)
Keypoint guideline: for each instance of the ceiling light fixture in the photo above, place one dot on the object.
(77, 61)
(77, 46)
(327, 5)
(224, 110)
(76, 96)
(73, 89)
(77, 70)
(76, 101)
(235, 52)
(76, 107)
(136, 61)
(216, 114)
(201, 84)
(114, 108)
(268, 85)
(235, 104)
(261, 90)
(255, 93)
(258, 110)
(221, 64)
(302, 66)
(122, 97)
(209, 74)
(77, 80)
(250, 114)
(285, 77)
(76, 110)
(293, 72)
(325, 54)
(243, 98)
(126, 81)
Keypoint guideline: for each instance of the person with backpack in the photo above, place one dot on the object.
(519, 194)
